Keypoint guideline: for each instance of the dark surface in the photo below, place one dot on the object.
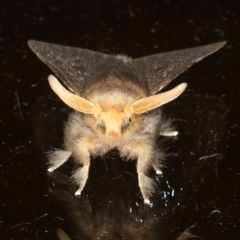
(199, 188)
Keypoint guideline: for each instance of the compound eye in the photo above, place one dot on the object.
(124, 125)
(102, 125)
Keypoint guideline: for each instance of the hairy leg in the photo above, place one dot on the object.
(143, 151)
(157, 166)
(169, 133)
(57, 158)
(83, 147)
(81, 156)
(145, 183)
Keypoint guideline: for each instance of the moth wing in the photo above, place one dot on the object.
(160, 69)
(73, 66)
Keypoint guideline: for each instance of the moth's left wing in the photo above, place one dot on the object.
(161, 69)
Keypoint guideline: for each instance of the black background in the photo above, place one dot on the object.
(199, 188)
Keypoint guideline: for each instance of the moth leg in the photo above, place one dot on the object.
(144, 152)
(169, 133)
(157, 166)
(156, 161)
(57, 158)
(145, 183)
(81, 155)
(80, 175)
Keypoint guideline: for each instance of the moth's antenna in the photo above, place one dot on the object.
(73, 101)
(149, 103)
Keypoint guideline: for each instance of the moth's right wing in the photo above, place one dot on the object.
(73, 66)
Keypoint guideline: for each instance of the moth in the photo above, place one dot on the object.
(116, 103)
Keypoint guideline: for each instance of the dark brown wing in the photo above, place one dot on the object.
(77, 67)
(161, 69)
(73, 66)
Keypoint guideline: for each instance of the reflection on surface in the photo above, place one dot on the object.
(63, 236)
(118, 218)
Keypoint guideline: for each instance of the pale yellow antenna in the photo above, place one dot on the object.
(146, 104)
(72, 100)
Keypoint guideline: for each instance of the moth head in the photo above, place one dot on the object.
(114, 116)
